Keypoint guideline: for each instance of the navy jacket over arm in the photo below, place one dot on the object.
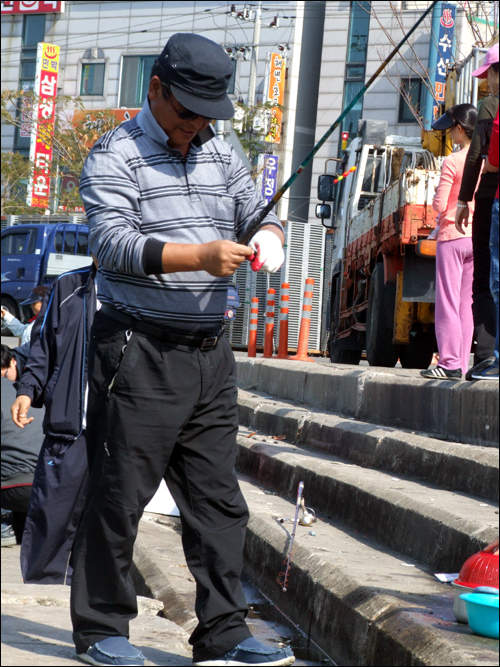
(55, 374)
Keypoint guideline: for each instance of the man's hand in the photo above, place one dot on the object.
(462, 217)
(492, 546)
(222, 258)
(4, 312)
(19, 411)
(269, 249)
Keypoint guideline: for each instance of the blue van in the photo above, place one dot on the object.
(34, 252)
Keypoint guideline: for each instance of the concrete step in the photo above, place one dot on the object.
(414, 518)
(464, 412)
(462, 468)
(362, 603)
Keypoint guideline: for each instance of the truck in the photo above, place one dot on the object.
(382, 287)
(37, 249)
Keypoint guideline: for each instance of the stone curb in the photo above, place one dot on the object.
(434, 533)
(358, 624)
(456, 467)
(464, 412)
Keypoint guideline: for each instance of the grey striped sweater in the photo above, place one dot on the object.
(139, 194)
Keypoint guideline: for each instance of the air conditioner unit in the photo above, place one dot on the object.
(304, 258)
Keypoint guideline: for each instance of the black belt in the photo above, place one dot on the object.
(202, 341)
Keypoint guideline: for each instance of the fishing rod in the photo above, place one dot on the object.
(254, 226)
(284, 583)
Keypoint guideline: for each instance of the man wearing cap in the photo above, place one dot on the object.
(16, 327)
(164, 203)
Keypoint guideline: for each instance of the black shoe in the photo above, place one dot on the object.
(479, 368)
(440, 373)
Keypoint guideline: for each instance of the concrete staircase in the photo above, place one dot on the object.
(403, 476)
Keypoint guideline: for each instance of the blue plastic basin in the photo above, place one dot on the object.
(482, 611)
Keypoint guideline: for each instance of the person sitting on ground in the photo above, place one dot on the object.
(454, 257)
(19, 453)
(16, 327)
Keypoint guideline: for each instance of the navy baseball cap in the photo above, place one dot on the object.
(198, 71)
(444, 122)
(33, 298)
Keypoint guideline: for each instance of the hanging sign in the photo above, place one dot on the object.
(42, 131)
(444, 54)
(38, 7)
(276, 94)
(269, 176)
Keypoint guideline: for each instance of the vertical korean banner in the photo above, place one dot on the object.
(441, 50)
(444, 54)
(268, 178)
(276, 95)
(42, 131)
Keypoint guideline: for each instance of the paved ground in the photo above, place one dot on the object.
(36, 627)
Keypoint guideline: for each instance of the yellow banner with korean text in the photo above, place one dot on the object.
(42, 130)
(276, 95)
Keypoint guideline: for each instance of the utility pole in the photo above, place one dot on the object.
(255, 56)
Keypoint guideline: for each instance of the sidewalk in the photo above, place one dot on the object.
(36, 626)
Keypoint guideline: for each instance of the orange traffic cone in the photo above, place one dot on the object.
(252, 333)
(305, 323)
(284, 310)
(269, 333)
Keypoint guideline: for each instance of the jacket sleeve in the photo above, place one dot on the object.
(474, 159)
(111, 197)
(448, 173)
(16, 327)
(494, 147)
(42, 360)
(248, 201)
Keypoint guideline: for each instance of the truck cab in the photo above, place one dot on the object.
(378, 207)
(34, 252)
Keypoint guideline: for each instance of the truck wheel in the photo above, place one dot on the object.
(380, 321)
(418, 354)
(338, 356)
(9, 303)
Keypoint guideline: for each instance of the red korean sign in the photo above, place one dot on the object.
(15, 7)
(42, 132)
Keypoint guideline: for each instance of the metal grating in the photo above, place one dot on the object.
(304, 256)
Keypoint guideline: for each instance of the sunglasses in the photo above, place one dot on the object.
(184, 114)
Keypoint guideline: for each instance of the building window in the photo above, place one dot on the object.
(356, 64)
(410, 100)
(136, 73)
(33, 32)
(92, 79)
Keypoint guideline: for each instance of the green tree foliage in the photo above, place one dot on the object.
(251, 124)
(71, 142)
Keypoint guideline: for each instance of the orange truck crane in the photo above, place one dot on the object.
(383, 279)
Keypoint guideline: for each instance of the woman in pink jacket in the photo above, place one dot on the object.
(454, 259)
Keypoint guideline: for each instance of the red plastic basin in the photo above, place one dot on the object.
(481, 569)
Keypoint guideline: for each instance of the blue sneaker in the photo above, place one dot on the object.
(8, 536)
(113, 651)
(489, 373)
(251, 652)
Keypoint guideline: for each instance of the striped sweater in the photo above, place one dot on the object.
(139, 194)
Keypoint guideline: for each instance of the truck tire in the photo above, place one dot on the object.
(419, 353)
(380, 321)
(337, 356)
(9, 303)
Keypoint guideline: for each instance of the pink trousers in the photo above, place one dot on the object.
(454, 322)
